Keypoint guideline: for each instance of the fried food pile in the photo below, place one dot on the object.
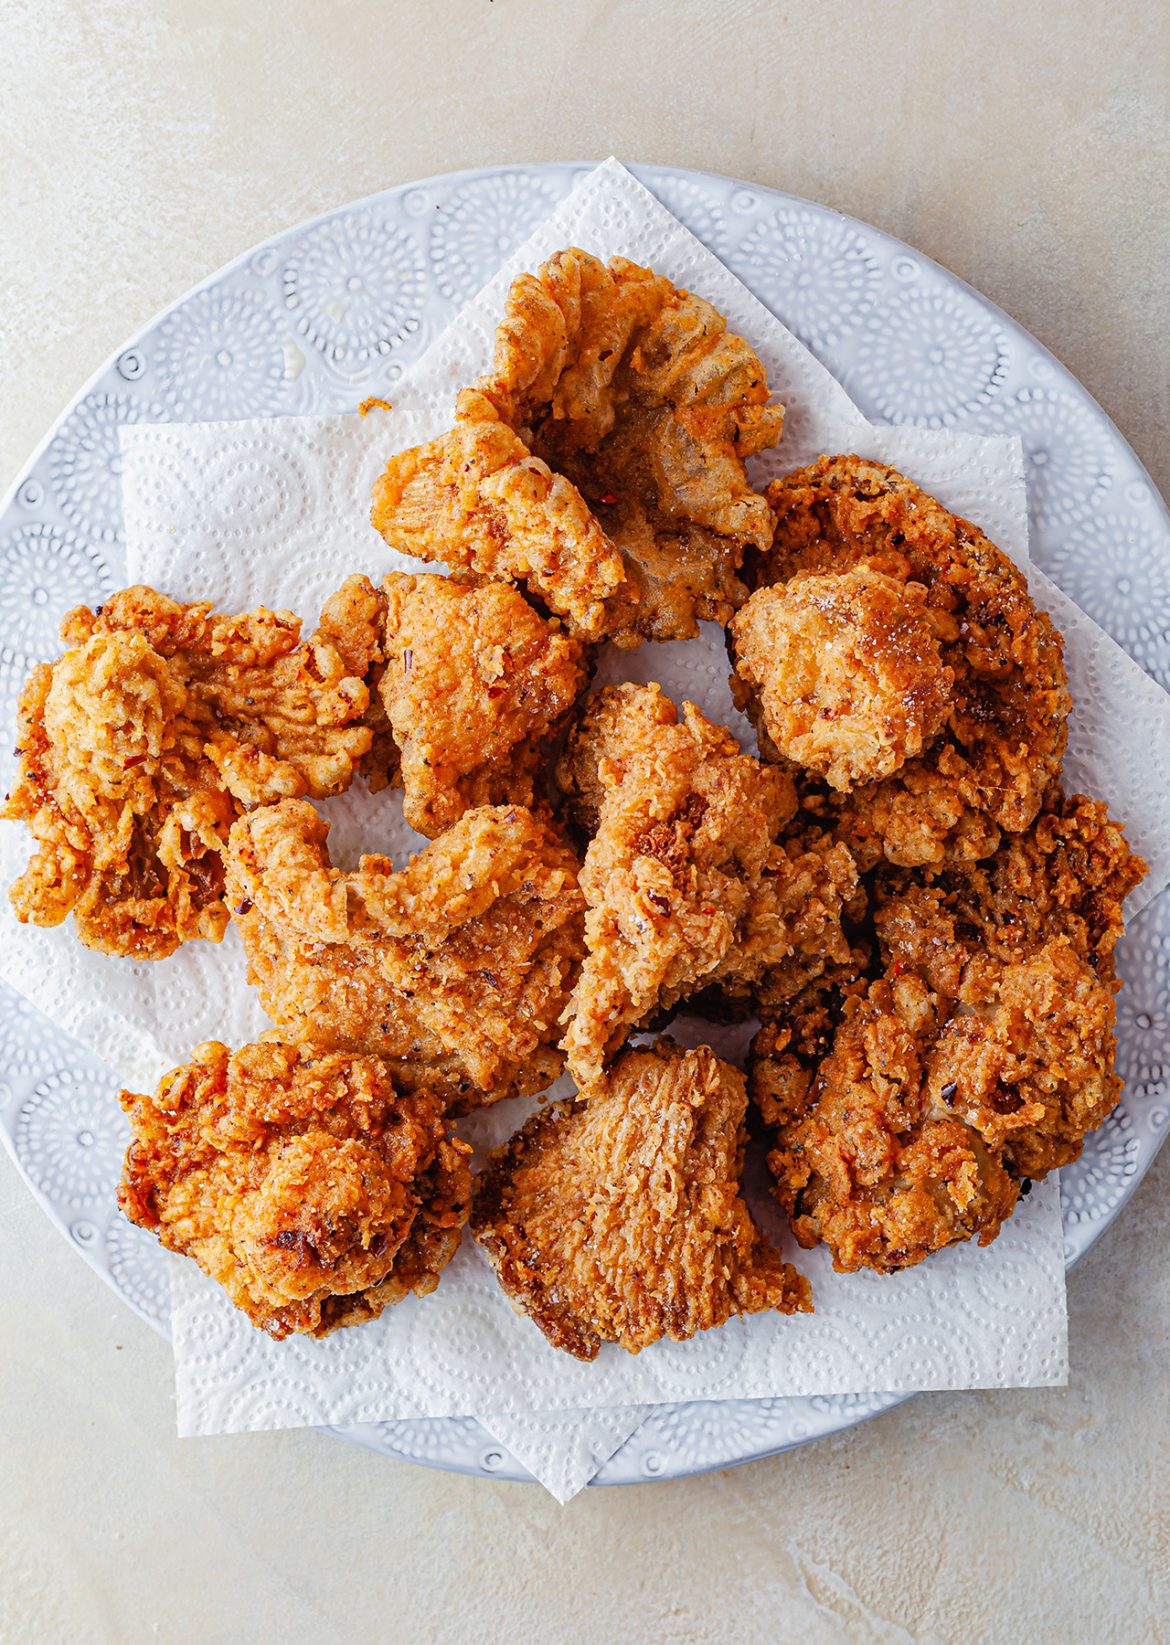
(454, 970)
(620, 1218)
(599, 463)
(142, 744)
(897, 887)
(314, 1192)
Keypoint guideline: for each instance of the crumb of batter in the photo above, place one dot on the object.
(314, 1192)
(476, 687)
(687, 882)
(620, 1218)
(600, 462)
(454, 970)
(840, 672)
(1004, 737)
(141, 745)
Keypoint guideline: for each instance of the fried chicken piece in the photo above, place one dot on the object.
(314, 1192)
(1005, 729)
(454, 969)
(479, 501)
(600, 462)
(141, 745)
(873, 1163)
(841, 673)
(620, 1218)
(982, 1055)
(686, 880)
(476, 686)
(1023, 945)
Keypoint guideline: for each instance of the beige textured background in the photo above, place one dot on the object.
(1025, 145)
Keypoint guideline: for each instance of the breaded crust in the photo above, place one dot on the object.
(454, 969)
(841, 673)
(600, 462)
(911, 1100)
(688, 881)
(620, 1219)
(476, 687)
(1005, 730)
(314, 1192)
(140, 746)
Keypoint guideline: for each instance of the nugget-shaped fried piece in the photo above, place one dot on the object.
(983, 1053)
(1005, 729)
(476, 686)
(600, 461)
(1020, 950)
(686, 880)
(454, 969)
(620, 1219)
(315, 1193)
(841, 673)
(140, 746)
(874, 1163)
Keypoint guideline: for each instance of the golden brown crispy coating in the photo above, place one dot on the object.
(870, 1164)
(1023, 944)
(686, 881)
(140, 746)
(454, 969)
(354, 621)
(1005, 731)
(476, 686)
(981, 1055)
(601, 460)
(301, 1180)
(479, 501)
(620, 1219)
(841, 673)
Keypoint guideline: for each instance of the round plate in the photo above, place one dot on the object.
(319, 317)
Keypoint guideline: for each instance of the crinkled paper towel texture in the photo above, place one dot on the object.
(276, 512)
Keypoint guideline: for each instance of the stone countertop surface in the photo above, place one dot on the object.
(1024, 144)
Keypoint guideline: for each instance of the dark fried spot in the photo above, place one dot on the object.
(206, 875)
(949, 1092)
(667, 842)
(295, 1239)
(1006, 1099)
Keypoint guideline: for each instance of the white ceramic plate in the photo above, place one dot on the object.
(317, 318)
